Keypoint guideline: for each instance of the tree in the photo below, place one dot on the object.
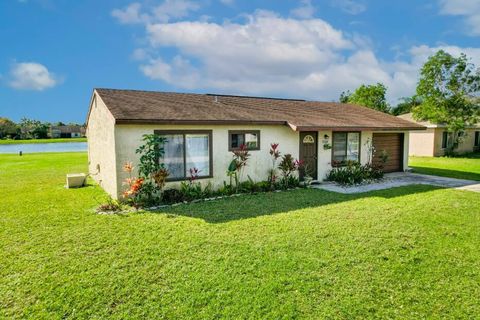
(406, 106)
(33, 129)
(371, 96)
(8, 129)
(449, 88)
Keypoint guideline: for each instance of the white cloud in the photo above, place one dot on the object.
(164, 12)
(353, 7)
(267, 54)
(31, 76)
(469, 9)
(130, 15)
(305, 11)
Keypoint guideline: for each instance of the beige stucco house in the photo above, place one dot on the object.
(433, 141)
(202, 130)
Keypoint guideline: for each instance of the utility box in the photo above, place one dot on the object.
(76, 180)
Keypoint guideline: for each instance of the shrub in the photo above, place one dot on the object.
(288, 166)
(354, 173)
(171, 196)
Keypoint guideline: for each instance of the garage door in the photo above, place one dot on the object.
(392, 144)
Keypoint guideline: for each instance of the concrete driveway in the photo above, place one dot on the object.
(399, 179)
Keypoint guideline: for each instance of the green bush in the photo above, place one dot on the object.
(354, 173)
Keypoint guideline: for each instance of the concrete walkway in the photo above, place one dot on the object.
(399, 179)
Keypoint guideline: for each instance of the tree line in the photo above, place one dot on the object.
(448, 93)
(27, 128)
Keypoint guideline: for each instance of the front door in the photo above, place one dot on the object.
(308, 153)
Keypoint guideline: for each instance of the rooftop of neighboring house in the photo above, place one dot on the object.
(428, 124)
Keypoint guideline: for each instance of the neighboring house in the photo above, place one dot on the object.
(67, 131)
(433, 141)
(203, 129)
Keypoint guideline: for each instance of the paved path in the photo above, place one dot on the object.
(399, 179)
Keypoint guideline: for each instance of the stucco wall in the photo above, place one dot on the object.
(101, 146)
(128, 138)
(422, 143)
(467, 145)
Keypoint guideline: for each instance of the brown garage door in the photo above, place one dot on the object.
(392, 144)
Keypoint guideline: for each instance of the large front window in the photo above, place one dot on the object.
(346, 147)
(185, 150)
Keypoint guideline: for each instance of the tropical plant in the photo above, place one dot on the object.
(272, 172)
(449, 88)
(133, 186)
(151, 170)
(354, 173)
(288, 165)
(238, 163)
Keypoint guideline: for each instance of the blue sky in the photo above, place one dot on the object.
(54, 52)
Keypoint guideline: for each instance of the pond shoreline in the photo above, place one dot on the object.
(41, 141)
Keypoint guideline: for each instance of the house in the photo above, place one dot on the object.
(203, 129)
(67, 131)
(433, 141)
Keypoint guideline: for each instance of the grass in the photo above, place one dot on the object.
(56, 140)
(466, 167)
(404, 253)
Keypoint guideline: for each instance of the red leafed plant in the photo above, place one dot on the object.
(194, 174)
(134, 184)
(272, 173)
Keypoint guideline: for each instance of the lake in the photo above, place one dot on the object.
(44, 147)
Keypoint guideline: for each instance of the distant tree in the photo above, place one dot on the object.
(33, 129)
(406, 106)
(58, 124)
(371, 96)
(8, 129)
(344, 96)
(449, 88)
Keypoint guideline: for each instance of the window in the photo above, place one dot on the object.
(184, 150)
(444, 139)
(477, 138)
(251, 139)
(346, 147)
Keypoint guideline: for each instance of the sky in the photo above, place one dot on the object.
(54, 52)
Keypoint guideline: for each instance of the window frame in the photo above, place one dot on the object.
(230, 132)
(445, 137)
(343, 163)
(184, 133)
(476, 139)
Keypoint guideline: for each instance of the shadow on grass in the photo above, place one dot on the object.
(447, 173)
(251, 206)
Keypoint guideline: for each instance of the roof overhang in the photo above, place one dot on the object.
(197, 122)
(359, 128)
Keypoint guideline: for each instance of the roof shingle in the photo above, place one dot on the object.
(131, 106)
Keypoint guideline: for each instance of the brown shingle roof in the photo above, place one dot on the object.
(131, 106)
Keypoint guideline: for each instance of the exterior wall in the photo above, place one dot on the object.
(467, 145)
(128, 138)
(101, 146)
(422, 143)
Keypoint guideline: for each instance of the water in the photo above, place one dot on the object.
(44, 147)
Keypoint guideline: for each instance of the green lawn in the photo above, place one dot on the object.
(43, 140)
(462, 168)
(405, 253)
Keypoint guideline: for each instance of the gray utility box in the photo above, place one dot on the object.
(76, 180)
